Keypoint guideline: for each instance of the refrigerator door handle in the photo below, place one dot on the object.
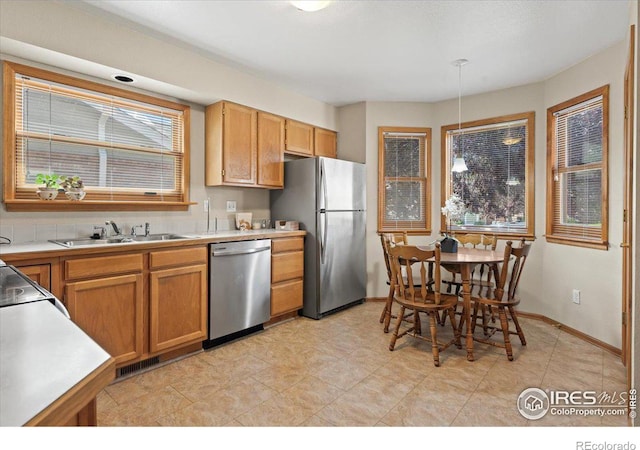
(323, 235)
(323, 182)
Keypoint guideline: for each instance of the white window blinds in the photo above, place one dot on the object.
(403, 197)
(578, 172)
(494, 188)
(122, 148)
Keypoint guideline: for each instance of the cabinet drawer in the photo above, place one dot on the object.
(98, 267)
(183, 257)
(286, 297)
(287, 266)
(287, 245)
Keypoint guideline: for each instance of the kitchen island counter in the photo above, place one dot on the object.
(50, 370)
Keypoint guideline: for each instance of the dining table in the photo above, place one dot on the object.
(466, 259)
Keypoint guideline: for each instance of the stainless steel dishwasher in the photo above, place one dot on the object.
(239, 288)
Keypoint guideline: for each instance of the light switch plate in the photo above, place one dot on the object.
(231, 206)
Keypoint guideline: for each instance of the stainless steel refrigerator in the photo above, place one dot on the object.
(327, 197)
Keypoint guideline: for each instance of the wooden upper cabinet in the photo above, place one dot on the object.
(271, 136)
(325, 143)
(231, 146)
(299, 138)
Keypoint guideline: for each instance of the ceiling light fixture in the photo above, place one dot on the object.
(458, 162)
(310, 5)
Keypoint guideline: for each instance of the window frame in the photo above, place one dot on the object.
(446, 179)
(13, 196)
(426, 230)
(567, 239)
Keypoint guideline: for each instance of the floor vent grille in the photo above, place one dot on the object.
(131, 368)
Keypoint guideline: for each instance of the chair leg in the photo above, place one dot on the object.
(394, 336)
(434, 338)
(417, 326)
(505, 332)
(387, 310)
(456, 333)
(512, 312)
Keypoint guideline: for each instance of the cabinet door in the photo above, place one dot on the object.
(239, 144)
(270, 150)
(40, 273)
(326, 143)
(178, 307)
(299, 138)
(110, 310)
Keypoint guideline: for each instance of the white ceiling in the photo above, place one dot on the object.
(385, 50)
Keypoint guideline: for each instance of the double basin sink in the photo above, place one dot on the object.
(117, 240)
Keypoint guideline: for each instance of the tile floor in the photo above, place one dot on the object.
(339, 372)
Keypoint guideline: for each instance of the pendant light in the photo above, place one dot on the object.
(458, 161)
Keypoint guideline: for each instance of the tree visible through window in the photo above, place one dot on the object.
(496, 188)
(404, 185)
(577, 170)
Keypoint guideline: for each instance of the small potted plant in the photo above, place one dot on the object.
(73, 187)
(453, 208)
(49, 186)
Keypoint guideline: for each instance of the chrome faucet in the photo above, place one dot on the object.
(133, 230)
(116, 230)
(103, 231)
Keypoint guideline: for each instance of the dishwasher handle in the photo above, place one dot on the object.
(239, 252)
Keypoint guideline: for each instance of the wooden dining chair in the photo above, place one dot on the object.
(388, 240)
(503, 299)
(420, 295)
(480, 276)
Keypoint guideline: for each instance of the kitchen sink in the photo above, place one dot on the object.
(88, 241)
(159, 237)
(117, 240)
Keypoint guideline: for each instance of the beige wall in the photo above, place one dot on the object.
(381, 114)
(553, 270)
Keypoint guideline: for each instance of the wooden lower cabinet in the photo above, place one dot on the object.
(110, 310)
(287, 275)
(160, 307)
(178, 307)
(40, 273)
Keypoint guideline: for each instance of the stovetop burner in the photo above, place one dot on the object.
(15, 288)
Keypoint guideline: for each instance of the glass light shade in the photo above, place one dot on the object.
(459, 165)
(310, 5)
(511, 140)
(513, 181)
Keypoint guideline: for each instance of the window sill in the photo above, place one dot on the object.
(577, 242)
(93, 205)
(501, 236)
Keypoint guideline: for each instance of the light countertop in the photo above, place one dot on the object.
(43, 356)
(53, 249)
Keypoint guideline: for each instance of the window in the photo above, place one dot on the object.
(497, 189)
(130, 150)
(577, 140)
(404, 185)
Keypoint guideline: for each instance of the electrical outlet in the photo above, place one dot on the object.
(206, 205)
(576, 296)
(231, 206)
